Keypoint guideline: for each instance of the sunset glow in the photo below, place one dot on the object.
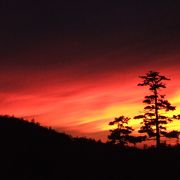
(75, 67)
(82, 104)
(90, 90)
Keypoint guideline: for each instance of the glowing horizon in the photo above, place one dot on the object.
(84, 106)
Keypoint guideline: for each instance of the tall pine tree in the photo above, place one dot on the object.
(154, 118)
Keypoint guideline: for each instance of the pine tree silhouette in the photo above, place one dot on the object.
(122, 134)
(153, 117)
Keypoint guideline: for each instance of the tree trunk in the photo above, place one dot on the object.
(157, 121)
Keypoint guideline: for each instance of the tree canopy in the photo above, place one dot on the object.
(122, 135)
(154, 117)
(156, 106)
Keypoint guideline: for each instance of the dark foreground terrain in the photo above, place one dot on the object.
(29, 151)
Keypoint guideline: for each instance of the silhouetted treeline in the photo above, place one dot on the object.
(29, 151)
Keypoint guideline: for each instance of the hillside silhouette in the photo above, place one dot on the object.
(29, 151)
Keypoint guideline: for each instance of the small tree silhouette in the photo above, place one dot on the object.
(153, 117)
(122, 134)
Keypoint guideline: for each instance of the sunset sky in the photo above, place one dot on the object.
(74, 65)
